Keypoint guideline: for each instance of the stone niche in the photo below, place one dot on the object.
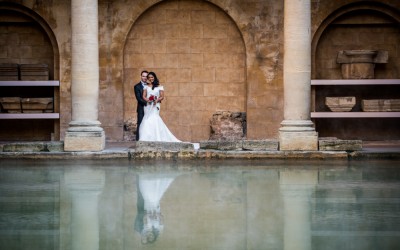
(360, 64)
(226, 125)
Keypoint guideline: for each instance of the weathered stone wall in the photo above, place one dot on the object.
(198, 55)
(200, 67)
(239, 67)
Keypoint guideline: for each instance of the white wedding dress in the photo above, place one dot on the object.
(153, 127)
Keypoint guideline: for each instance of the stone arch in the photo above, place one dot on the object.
(379, 11)
(199, 55)
(40, 29)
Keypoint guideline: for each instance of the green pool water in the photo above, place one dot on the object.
(219, 204)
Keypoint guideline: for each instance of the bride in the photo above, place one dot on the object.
(153, 127)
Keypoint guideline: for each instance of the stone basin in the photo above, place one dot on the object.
(340, 104)
(37, 105)
(11, 104)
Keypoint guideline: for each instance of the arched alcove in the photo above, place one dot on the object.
(27, 39)
(357, 26)
(199, 56)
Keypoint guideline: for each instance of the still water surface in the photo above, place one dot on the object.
(113, 204)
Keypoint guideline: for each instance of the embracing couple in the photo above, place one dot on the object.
(149, 94)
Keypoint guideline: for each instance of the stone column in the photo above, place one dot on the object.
(297, 131)
(84, 132)
(85, 187)
(296, 189)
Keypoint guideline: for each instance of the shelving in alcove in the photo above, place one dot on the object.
(27, 89)
(362, 89)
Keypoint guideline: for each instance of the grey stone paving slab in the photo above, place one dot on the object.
(340, 145)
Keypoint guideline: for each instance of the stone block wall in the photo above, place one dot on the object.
(22, 41)
(210, 56)
(198, 54)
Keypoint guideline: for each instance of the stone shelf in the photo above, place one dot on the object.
(11, 116)
(355, 114)
(29, 83)
(29, 116)
(356, 82)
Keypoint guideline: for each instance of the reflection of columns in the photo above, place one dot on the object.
(296, 188)
(297, 131)
(84, 132)
(85, 187)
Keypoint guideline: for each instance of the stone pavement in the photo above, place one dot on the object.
(205, 150)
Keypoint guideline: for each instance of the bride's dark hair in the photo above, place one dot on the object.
(156, 82)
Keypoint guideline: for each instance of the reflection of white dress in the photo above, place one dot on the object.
(153, 127)
(152, 187)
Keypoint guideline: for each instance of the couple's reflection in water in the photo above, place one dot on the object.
(149, 220)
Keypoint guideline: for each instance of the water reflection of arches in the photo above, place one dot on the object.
(149, 219)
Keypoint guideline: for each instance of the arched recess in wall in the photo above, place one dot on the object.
(30, 38)
(198, 53)
(363, 25)
(26, 38)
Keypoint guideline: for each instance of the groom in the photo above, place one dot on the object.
(140, 102)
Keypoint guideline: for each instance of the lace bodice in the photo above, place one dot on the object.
(155, 91)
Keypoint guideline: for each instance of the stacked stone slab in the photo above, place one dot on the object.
(10, 104)
(340, 104)
(34, 72)
(37, 105)
(381, 105)
(246, 145)
(334, 144)
(8, 72)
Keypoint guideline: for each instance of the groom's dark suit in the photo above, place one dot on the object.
(140, 106)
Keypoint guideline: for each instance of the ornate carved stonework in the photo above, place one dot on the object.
(360, 64)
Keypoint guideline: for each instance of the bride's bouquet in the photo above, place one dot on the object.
(153, 99)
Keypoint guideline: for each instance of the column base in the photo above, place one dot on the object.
(84, 141)
(298, 135)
